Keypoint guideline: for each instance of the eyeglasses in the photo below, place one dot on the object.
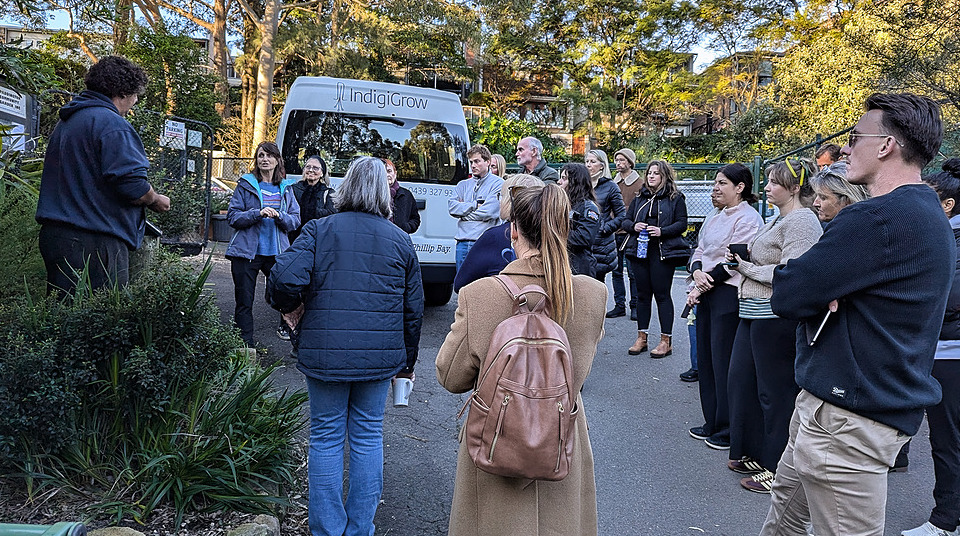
(312, 168)
(852, 140)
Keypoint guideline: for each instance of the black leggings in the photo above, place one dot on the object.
(717, 320)
(944, 420)
(761, 389)
(245, 272)
(654, 279)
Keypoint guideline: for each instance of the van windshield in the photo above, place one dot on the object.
(422, 151)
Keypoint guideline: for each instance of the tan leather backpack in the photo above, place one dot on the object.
(523, 409)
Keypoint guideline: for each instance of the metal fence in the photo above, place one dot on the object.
(180, 153)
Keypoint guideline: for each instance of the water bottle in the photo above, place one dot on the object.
(642, 242)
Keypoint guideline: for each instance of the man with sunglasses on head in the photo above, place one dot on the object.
(870, 297)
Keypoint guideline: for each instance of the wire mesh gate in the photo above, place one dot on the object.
(180, 151)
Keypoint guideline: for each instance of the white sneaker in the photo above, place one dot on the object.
(928, 529)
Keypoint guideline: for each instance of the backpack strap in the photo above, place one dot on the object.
(519, 295)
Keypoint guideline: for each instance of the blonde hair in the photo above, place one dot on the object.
(501, 165)
(518, 179)
(602, 157)
(542, 216)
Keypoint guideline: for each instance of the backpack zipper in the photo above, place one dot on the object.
(496, 435)
(520, 339)
(560, 430)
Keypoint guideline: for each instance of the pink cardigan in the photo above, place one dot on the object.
(735, 225)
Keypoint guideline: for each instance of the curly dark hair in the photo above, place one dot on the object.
(116, 76)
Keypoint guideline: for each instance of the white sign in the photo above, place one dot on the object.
(174, 129)
(194, 138)
(13, 103)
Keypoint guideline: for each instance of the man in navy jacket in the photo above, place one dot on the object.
(94, 185)
(883, 267)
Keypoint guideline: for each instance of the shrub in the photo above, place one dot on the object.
(500, 134)
(135, 397)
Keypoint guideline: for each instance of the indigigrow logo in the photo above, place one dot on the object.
(378, 97)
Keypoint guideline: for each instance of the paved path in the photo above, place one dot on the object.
(653, 479)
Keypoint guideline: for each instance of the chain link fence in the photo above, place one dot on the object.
(180, 151)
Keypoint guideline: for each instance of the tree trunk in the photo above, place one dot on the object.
(221, 56)
(248, 74)
(334, 35)
(264, 103)
(121, 27)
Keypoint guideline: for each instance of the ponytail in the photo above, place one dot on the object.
(542, 216)
(555, 226)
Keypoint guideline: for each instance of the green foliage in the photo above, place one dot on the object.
(20, 257)
(188, 201)
(26, 69)
(179, 82)
(19, 188)
(500, 134)
(134, 397)
(762, 130)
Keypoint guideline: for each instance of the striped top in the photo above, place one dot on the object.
(268, 244)
(756, 308)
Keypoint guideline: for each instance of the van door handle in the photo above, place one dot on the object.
(421, 204)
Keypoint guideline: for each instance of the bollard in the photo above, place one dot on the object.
(57, 529)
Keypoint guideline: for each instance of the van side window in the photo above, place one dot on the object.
(423, 151)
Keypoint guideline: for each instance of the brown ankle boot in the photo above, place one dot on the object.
(640, 346)
(663, 349)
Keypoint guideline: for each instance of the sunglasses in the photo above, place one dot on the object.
(852, 140)
(512, 190)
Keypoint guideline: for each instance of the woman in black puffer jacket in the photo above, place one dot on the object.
(313, 195)
(584, 218)
(660, 213)
(612, 211)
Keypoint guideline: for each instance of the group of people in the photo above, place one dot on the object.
(268, 212)
(822, 335)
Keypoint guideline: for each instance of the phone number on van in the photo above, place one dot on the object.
(425, 191)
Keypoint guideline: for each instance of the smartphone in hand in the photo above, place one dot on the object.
(741, 250)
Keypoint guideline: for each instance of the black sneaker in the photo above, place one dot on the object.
(284, 334)
(691, 375)
(717, 444)
(617, 312)
(699, 432)
(633, 315)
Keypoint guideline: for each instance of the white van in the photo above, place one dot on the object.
(421, 130)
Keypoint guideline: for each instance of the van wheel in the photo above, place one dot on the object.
(437, 294)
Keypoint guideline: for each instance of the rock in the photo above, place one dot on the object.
(115, 531)
(272, 523)
(249, 529)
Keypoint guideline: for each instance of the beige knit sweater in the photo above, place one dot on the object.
(778, 241)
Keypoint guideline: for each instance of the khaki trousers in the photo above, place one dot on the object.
(833, 473)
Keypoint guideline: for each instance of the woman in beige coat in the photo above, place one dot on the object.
(491, 505)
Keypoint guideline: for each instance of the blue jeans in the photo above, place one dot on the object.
(463, 247)
(352, 411)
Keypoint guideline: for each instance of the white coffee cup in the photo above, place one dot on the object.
(401, 391)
